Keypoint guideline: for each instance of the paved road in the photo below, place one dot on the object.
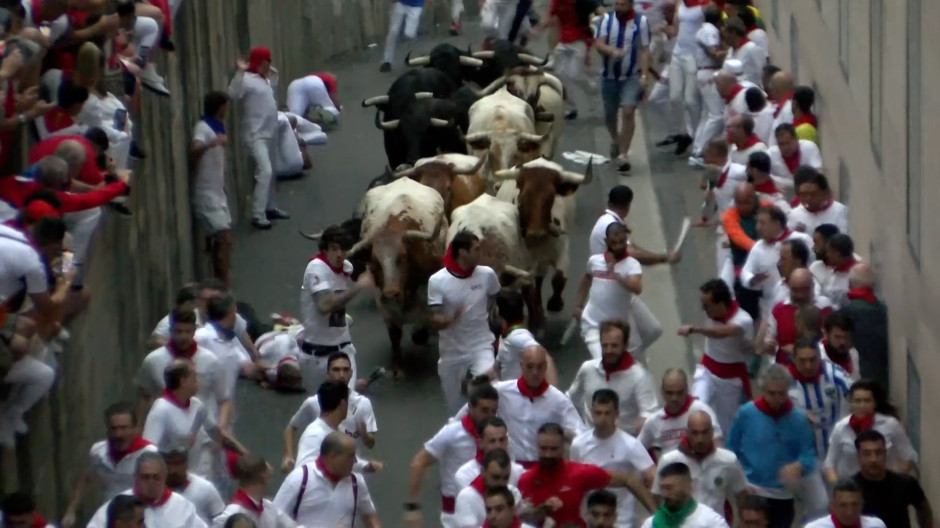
(269, 266)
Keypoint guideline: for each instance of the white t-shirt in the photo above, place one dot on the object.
(702, 517)
(358, 411)
(214, 386)
(170, 426)
(866, 522)
(706, 38)
(733, 175)
(470, 511)
(653, 10)
(753, 60)
(740, 156)
(114, 477)
(209, 180)
(258, 105)
(323, 503)
(270, 516)
(759, 37)
(453, 447)
(524, 416)
(802, 220)
(162, 330)
(764, 123)
(735, 349)
(20, 265)
(808, 154)
(763, 258)
(308, 447)
(471, 470)
(598, 241)
(176, 512)
(619, 453)
(470, 332)
(230, 352)
(204, 497)
(843, 457)
(716, 479)
(324, 329)
(633, 386)
(607, 298)
(691, 20)
(663, 433)
(509, 354)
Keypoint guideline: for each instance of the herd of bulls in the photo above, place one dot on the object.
(471, 137)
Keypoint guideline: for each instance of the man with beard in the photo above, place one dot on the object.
(679, 509)
(836, 344)
(192, 487)
(501, 509)
(663, 431)
(471, 505)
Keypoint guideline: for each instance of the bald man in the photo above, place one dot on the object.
(732, 93)
(782, 86)
(717, 476)
(528, 402)
(779, 328)
(663, 431)
(870, 319)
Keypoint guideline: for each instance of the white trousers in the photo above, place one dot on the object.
(449, 520)
(401, 14)
(456, 10)
(146, 33)
(81, 225)
(659, 101)
(261, 152)
(287, 159)
(683, 89)
(711, 122)
(724, 396)
(313, 369)
(724, 262)
(813, 495)
(496, 17)
(453, 373)
(29, 380)
(308, 92)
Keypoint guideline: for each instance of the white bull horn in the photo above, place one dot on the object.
(555, 230)
(402, 173)
(470, 61)
(476, 168)
(311, 236)
(362, 244)
(388, 125)
(377, 100)
(572, 177)
(495, 85)
(506, 174)
(424, 95)
(534, 138)
(512, 270)
(414, 234)
(435, 122)
(477, 136)
(554, 83)
(532, 59)
(417, 61)
(484, 54)
(545, 117)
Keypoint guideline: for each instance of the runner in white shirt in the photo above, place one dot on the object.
(722, 380)
(794, 255)
(359, 422)
(460, 297)
(253, 475)
(111, 462)
(324, 294)
(607, 446)
(500, 503)
(762, 112)
(752, 57)
(733, 94)
(327, 492)
(18, 510)
(708, 55)
(777, 190)
(470, 511)
(743, 140)
(196, 296)
(602, 509)
(220, 338)
(197, 490)
(279, 358)
(318, 90)
(791, 153)
(529, 402)
(678, 503)
(607, 289)
(164, 507)
(683, 88)
(663, 431)
(615, 371)
(836, 344)
(717, 477)
(515, 337)
(725, 176)
(493, 435)
(846, 509)
(452, 447)
(817, 207)
(840, 259)
(820, 268)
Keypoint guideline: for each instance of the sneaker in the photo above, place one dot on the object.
(385, 67)
(121, 209)
(622, 164)
(262, 224)
(153, 81)
(136, 152)
(571, 114)
(683, 143)
(454, 29)
(349, 320)
(276, 214)
(614, 150)
(167, 45)
(670, 140)
(696, 160)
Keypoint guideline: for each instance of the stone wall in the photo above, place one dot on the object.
(138, 263)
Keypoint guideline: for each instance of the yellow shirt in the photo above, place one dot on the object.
(808, 132)
(757, 18)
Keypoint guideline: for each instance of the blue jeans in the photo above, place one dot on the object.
(617, 94)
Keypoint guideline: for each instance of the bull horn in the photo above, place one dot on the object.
(388, 125)
(359, 246)
(476, 168)
(311, 236)
(495, 85)
(417, 61)
(534, 138)
(424, 95)
(489, 54)
(414, 234)
(554, 83)
(402, 173)
(377, 100)
(476, 137)
(506, 174)
(545, 117)
(470, 61)
(532, 59)
(555, 230)
(512, 270)
(443, 123)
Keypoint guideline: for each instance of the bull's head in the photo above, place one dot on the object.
(538, 184)
(439, 173)
(507, 149)
(392, 252)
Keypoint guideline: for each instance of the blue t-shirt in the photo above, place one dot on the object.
(413, 3)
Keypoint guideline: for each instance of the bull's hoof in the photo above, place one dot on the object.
(555, 304)
(421, 336)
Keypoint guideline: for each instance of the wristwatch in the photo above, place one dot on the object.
(412, 506)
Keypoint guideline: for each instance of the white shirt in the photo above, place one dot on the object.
(842, 455)
(470, 511)
(702, 517)
(176, 512)
(663, 433)
(231, 353)
(759, 37)
(358, 411)
(652, 10)
(836, 287)
(470, 332)
(307, 92)
(162, 330)
(598, 240)
(453, 447)
(706, 38)
(763, 258)
(717, 478)
(57, 27)
(524, 416)
(734, 174)
(784, 114)
(866, 522)
(782, 291)
(691, 20)
(740, 156)
(630, 37)
(170, 426)
(258, 105)
(802, 220)
(19, 264)
(735, 349)
(471, 470)
(807, 154)
(214, 386)
(753, 59)
(764, 123)
(826, 400)
(853, 358)
(607, 298)
(270, 516)
(324, 329)
(204, 497)
(324, 503)
(209, 180)
(114, 477)
(308, 447)
(738, 106)
(618, 453)
(277, 346)
(509, 353)
(633, 386)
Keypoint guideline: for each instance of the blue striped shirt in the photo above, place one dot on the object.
(826, 400)
(632, 36)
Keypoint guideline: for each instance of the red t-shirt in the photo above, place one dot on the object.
(90, 174)
(570, 482)
(569, 30)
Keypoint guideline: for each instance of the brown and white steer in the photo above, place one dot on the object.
(544, 93)
(496, 224)
(544, 194)
(455, 176)
(403, 231)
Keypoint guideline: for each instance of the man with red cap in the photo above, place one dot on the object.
(253, 87)
(315, 93)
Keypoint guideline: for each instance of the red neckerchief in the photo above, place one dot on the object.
(231, 460)
(321, 256)
(477, 484)
(845, 267)
(793, 160)
(185, 484)
(795, 202)
(57, 119)
(687, 450)
(185, 354)
(137, 443)
(768, 187)
(451, 264)
(627, 18)
(531, 394)
(762, 406)
(732, 310)
(326, 472)
(516, 523)
(749, 29)
(863, 294)
(469, 427)
(157, 503)
(242, 499)
(781, 237)
(843, 360)
(749, 142)
(741, 44)
(626, 361)
(862, 424)
(733, 93)
(723, 177)
(826, 205)
(610, 258)
(685, 408)
(804, 379)
(38, 521)
(806, 119)
(780, 104)
(510, 328)
(837, 524)
(168, 396)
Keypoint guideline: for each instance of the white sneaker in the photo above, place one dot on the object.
(696, 160)
(153, 81)
(349, 320)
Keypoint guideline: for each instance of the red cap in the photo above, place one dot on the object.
(256, 57)
(329, 80)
